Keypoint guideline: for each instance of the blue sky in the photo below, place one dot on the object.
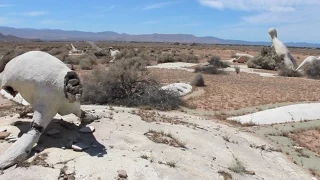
(295, 20)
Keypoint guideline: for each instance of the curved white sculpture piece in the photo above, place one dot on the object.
(181, 89)
(49, 86)
(308, 60)
(242, 58)
(113, 53)
(282, 50)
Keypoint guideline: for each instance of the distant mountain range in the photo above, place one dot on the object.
(5, 38)
(62, 35)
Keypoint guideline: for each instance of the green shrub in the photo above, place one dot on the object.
(267, 59)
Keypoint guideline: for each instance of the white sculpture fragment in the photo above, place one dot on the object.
(181, 89)
(242, 58)
(282, 50)
(49, 86)
(113, 53)
(308, 60)
(75, 51)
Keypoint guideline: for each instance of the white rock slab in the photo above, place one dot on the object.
(175, 65)
(180, 88)
(290, 113)
(18, 98)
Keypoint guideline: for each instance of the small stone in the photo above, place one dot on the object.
(88, 129)
(79, 147)
(122, 174)
(3, 135)
(53, 132)
(73, 82)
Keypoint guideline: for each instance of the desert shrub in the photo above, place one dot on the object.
(62, 56)
(8, 56)
(125, 54)
(198, 80)
(312, 70)
(55, 51)
(287, 72)
(188, 58)
(262, 62)
(128, 83)
(168, 57)
(100, 53)
(237, 69)
(85, 64)
(71, 60)
(165, 58)
(216, 62)
(267, 59)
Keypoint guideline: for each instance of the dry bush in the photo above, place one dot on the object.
(312, 70)
(215, 66)
(125, 54)
(127, 82)
(100, 53)
(267, 59)
(56, 51)
(8, 56)
(287, 72)
(198, 80)
(167, 57)
(216, 62)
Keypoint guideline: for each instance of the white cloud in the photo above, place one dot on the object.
(157, 5)
(6, 5)
(258, 5)
(295, 20)
(35, 13)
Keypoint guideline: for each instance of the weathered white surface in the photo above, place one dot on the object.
(113, 53)
(39, 78)
(175, 65)
(308, 60)
(242, 58)
(290, 113)
(244, 68)
(31, 173)
(181, 88)
(124, 140)
(18, 98)
(282, 50)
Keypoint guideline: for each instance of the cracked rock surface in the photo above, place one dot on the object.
(118, 143)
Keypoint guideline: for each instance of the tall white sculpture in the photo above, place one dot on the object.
(49, 86)
(282, 50)
(308, 60)
(113, 53)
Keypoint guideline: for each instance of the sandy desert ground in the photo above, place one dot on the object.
(195, 142)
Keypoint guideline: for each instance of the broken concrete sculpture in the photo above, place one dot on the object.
(113, 53)
(49, 86)
(181, 89)
(308, 60)
(281, 50)
(242, 58)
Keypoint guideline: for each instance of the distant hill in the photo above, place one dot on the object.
(62, 35)
(10, 38)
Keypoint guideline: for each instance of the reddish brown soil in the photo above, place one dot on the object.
(234, 91)
(309, 139)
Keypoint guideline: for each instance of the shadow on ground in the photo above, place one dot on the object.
(69, 134)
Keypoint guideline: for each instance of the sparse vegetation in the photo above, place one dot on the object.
(312, 70)
(164, 138)
(237, 166)
(267, 59)
(198, 80)
(127, 82)
(226, 175)
(284, 71)
(169, 57)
